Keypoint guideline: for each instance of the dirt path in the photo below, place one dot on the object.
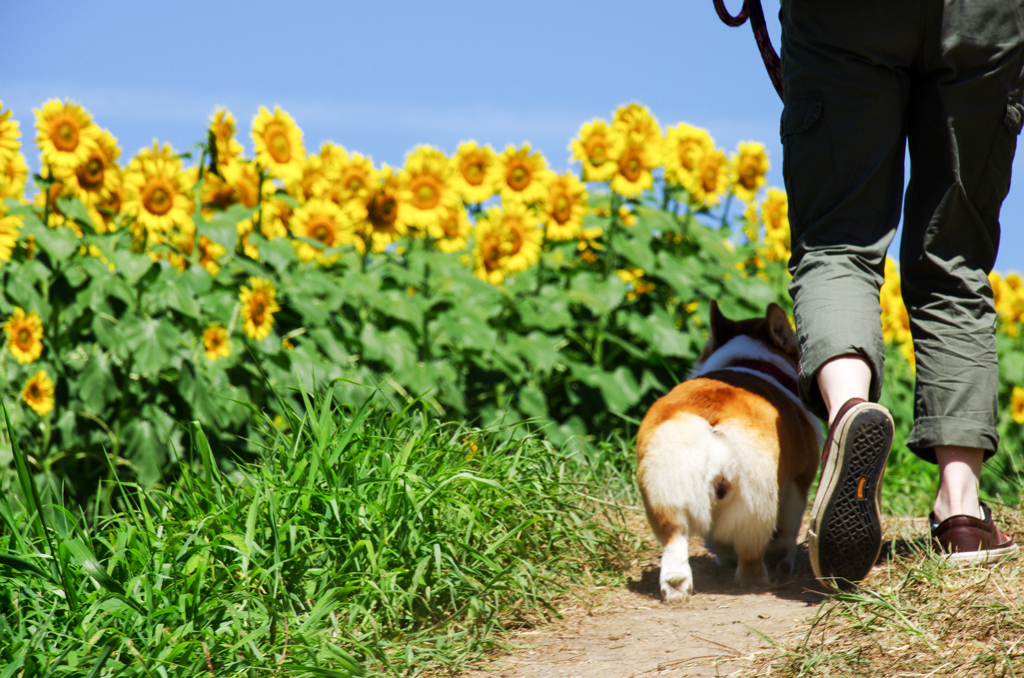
(619, 633)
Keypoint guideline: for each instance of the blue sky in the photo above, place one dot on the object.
(384, 76)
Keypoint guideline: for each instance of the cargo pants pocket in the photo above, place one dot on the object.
(808, 164)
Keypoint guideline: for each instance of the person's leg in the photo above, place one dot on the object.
(843, 378)
(959, 472)
(843, 130)
(964, 118)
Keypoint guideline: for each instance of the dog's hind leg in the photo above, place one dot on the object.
(676, 576)
(782, 548)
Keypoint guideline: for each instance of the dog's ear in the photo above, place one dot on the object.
(781, 332)
(722, 329)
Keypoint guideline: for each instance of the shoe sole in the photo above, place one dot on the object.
(845, 534)
(982, 557)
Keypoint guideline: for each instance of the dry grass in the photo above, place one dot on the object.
(916, 615)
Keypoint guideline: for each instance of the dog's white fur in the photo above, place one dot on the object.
(686, 463)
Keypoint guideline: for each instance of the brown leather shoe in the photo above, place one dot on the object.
(970, 540)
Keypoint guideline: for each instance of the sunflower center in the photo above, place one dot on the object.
(158, 201)
(34, 393)
(451, 227)
(598, 153)
(563, 209)
(65, 137)
(518, 178)
(688, 155)
(710, 177)
(24, 338)
(474, 173)
(258, 309)
(321, 232)
(383, 211)
(90, 175)
(631, 167)
(426, 196)
(278, 146)
(355, 184)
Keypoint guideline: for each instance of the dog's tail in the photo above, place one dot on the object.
(682, 476)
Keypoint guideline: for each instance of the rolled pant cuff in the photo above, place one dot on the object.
(814, 356)
(931, 431)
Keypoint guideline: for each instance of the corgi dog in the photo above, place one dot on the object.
(730, 454)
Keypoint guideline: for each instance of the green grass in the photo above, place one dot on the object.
(915, 615)
(362, 542)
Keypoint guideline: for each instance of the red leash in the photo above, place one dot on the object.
(752, 8)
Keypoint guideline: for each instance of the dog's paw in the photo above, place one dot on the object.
(751, 573)
(677, 587)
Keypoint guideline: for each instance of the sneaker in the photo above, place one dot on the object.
(970, 540)
(845, 534)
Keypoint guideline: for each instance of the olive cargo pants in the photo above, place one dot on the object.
(863, 79)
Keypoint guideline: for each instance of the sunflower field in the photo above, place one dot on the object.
(214, 286)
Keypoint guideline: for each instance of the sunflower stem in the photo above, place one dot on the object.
(540, 263)
(609, 261)
(725, 210)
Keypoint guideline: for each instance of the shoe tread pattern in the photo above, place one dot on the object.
(850, 536)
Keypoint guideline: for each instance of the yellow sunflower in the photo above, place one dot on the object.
(478, 172)
(215, 339)
(775, 215)
(9, 135)
(66, 135)
(564, 208)
(748, 169)
(636, 118)
(99, 173)
(711, 179)
(275, 218)
(245, 228)
(24, 335)
(351, 178)
(490, 251)
(683, 149)
(13, 176)
(225, 150)
(522, 234)
(383, 222)
(38, 393)
(217, 194)
(1017, 404)
(598, 148)
(524, 175)
(259, 304)
(156, 191)
(278, 144)
(210, 253)
(246, 180)
(105, 208)
(9, 227)
(451, 232)
(315, 171)
(324, 222)
(60, 188)
(427, 193)
(637, 159)
(589, 244)
(333, 155)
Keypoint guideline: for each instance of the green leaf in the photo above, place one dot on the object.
(637, 253)
(166, 292)
(72, 207)
(600, 296)
(144, 448)
(132, 265)
(151, 342)
(18, 563)
(96, 385)
(279, 252)
(59, 243)
(83, 555)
